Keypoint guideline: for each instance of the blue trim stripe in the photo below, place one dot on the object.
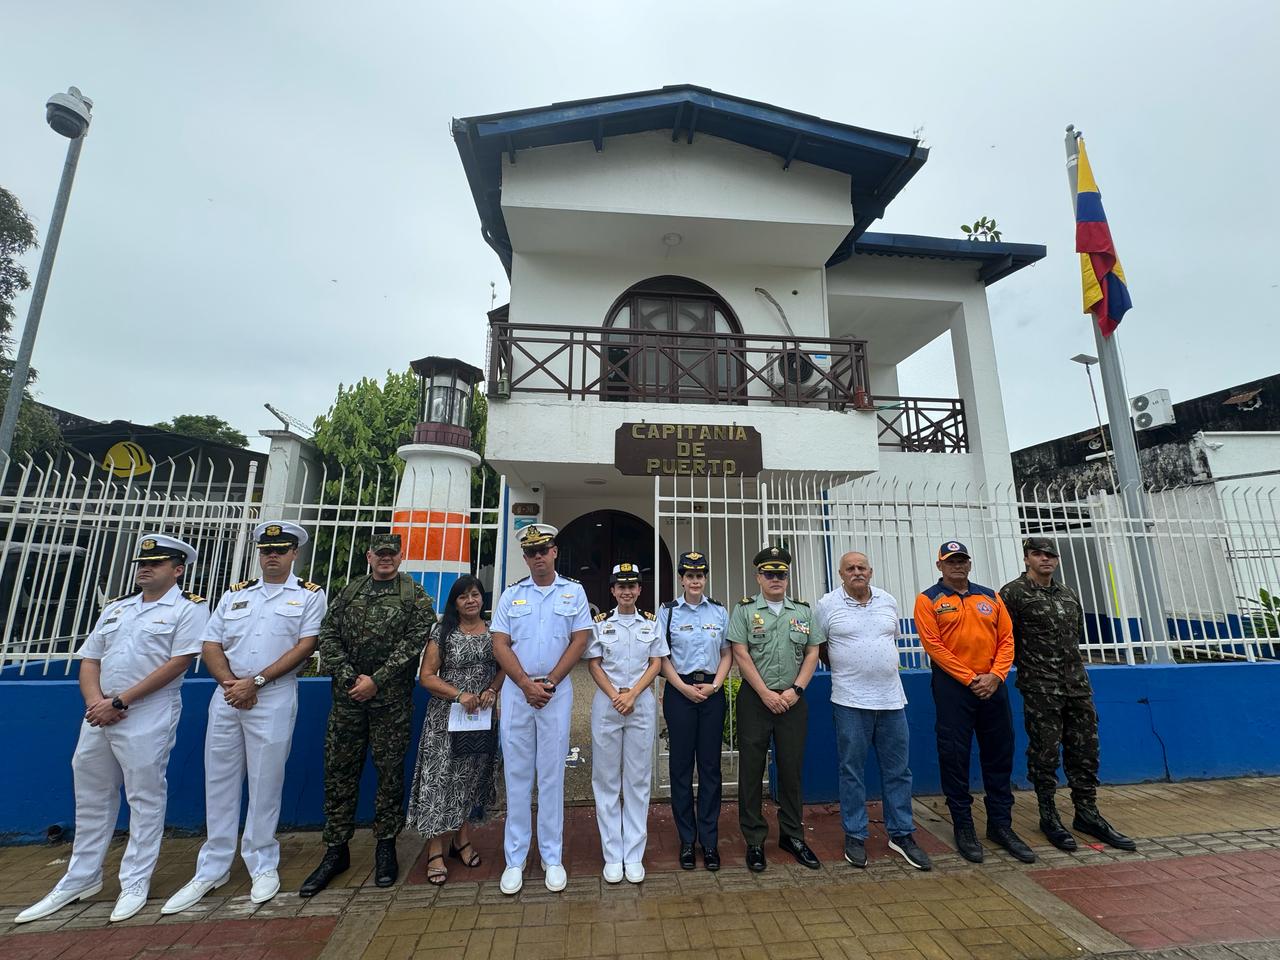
(435, 582)
(1089, 208)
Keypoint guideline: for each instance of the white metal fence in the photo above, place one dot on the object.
(1217, 550)
(67, 529)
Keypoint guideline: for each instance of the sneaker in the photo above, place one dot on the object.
(613, 873)
(910, 851)
(855, 851)
(512, 880)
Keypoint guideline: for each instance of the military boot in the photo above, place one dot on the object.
(336, 859)
(1051, 825)
(1089, 820)
(385, 866)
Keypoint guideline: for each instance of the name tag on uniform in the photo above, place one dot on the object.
(239, 604)
(608, 630)
(517, 603)
(107, 623)
(685, 626)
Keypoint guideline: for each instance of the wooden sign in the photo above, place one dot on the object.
(687, 450)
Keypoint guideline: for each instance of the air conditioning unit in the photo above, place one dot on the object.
(1152, 409)
(798, 372)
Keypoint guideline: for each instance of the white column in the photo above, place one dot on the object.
(979, 383)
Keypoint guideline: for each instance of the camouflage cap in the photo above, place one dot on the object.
(385, 541)
(1043, 544)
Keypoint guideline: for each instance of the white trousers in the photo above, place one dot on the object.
(239, 743)
(133, 753)
(534, 746)
(621, 773)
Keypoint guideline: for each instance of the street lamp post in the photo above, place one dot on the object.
(1088, 362)
(68, 115)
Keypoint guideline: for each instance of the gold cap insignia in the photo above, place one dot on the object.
(147, 544)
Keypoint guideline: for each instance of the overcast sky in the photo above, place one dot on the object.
(269, 202)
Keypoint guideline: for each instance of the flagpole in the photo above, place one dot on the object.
(1128, 473)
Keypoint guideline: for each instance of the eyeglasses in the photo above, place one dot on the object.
(536, 551)
(774, 574)
(274, 551)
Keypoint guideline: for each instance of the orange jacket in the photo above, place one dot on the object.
(965, 634)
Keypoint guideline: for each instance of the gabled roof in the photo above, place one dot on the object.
(995, 260)
(879, 163)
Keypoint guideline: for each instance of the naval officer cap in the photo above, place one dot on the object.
(279, 533)
(384, 541)
(773, 558)
(692, 562)
(156, 546)
(537, 535)
(953, 548)
(1043, 544)
(625, 573)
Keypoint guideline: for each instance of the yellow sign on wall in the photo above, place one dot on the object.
(126, 459)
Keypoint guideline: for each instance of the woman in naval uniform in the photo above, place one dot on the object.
(624, 657)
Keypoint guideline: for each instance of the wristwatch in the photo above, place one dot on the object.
(259, 681)
(119, 704)
(798, 689)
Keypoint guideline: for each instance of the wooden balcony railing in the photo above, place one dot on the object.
(616, 364)
(922, 424)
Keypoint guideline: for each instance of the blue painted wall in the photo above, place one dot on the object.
(1176, 722)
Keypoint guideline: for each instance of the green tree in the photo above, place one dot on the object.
(205, 426)
(37, 432)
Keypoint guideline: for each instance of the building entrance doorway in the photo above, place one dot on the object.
(590, 546)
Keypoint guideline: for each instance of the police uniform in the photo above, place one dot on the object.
(540, 622)
(255, 624)
(622, 746)
(131, 640)
(697, 637)
(777, 643)
(1057, 701)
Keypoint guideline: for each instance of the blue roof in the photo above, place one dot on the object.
(880, 164)
(995, 260)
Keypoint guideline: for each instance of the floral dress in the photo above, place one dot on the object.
(449, 790)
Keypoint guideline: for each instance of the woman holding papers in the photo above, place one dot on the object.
(455, 783)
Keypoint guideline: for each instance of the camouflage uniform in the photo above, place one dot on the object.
(380, 633)
(1057, 701)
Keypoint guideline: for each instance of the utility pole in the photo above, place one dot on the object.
(1133, 498)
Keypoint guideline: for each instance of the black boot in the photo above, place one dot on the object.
(385, 866)
(337, 859)
(1051, 825)
(1089, 820)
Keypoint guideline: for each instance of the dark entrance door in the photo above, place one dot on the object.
(593, 543)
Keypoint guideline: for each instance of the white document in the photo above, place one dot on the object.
(460, 720)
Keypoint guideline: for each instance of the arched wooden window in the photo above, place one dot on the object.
(667, 340)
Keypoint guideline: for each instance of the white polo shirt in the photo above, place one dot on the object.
(862, 645)
(258, 624)
(133, 639)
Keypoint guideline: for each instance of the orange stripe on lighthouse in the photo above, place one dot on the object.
(432, 535)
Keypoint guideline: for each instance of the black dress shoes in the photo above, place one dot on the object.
(1092, 823)
(1003, 835)
(967, 843)
(687, 861)
(337, 859)
(800, 850)
(755, 859)
(385, 866)
(711, 859)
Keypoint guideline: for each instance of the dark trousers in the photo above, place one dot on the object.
(1069, 722)
(960, 714)
(756, 728)
(694, 732)
(355, 728)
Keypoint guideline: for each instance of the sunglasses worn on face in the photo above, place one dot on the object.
(536, 551)
(773, 575)
(274, 551)
(384, 554)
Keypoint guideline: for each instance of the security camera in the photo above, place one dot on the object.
(68, 113)
(536, 489)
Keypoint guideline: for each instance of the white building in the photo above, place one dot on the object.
(682, 259)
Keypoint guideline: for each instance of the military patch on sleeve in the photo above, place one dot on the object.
(244, 584)
(308, 585)
(601, 617)
(193, 597)
(649, 616)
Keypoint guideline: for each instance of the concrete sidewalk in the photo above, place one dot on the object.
(1205, 883)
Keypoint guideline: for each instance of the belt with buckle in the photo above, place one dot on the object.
(698, 676)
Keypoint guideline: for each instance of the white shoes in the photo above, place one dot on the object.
(635, 872)
(613, 873)
(512, 880)
(132, 899)
(191, 894)
(55, 901)
(556, 877)
(265, 886)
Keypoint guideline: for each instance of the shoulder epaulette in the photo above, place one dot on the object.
(601, 617)
(803, 603)
(193, 597)
(124, 596)
(308, 585)
(570, 579)
(745, 600)
(713, 601)
(515, 582)
(649, 616)
(244, 584)
(671, 604)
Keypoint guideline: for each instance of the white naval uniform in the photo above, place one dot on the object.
(622, 747)
(540, 622)
(131, 639)
(255, 624)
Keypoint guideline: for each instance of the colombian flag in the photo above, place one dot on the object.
(1105, 293)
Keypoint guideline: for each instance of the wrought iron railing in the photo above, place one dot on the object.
(922, 424)
(669, 367)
